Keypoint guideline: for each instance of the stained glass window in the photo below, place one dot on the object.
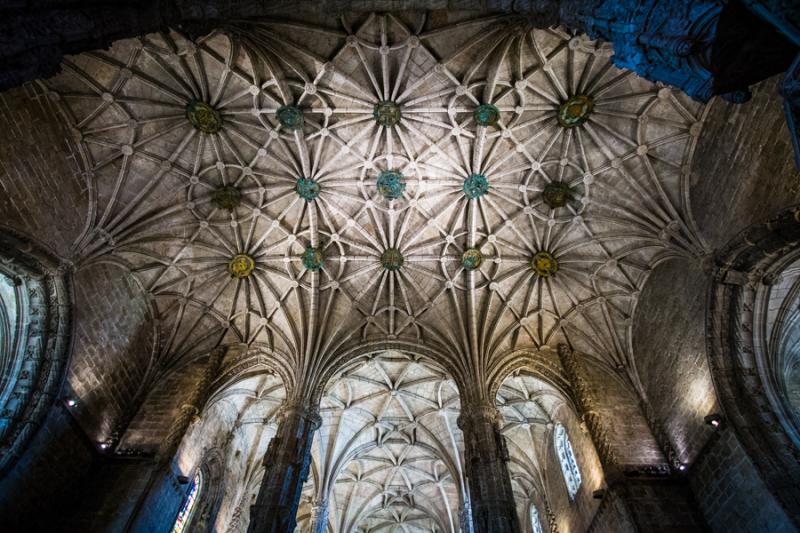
(536, 526)
(190, 505)
(569, 466)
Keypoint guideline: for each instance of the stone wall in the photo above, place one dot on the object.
(160, 409)
(112, 350)
(743, 169)
(730, 493)
(613, 516)
(645, 505)
(41, 484)
(670, 353)
(628, 433)
(42, 191)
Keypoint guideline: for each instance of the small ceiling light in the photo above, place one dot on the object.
(714, 420)
(104, 445)
(682, 467)
(71, 403)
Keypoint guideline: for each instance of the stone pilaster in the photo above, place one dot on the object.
(584, 398)
(485, 457)
(319, 516)
(287, 462)
(465, 517)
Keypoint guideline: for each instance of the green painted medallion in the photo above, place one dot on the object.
(392, 259)
(557, 194)
(486, 115)
(307, 189)
(203, 117)
(575, 111)
(544, 264)
(475, 186)
(471, 259)
(391, 184)
(387, 113)
(226, 197)
(290, 117)
(312, 259)
(241, 266)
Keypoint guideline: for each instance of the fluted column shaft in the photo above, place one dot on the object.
(485, 454)
(287, 462)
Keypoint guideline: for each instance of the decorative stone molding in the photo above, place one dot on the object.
(584, 398)
(738, 364)
(287, 463)
(191, 409)
(485, 458)
(33, 370)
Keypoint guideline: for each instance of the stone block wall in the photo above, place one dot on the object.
(42, 190)
(114, 342)
(648, 505)
(669, 343)
(730, 493)
(40, 485)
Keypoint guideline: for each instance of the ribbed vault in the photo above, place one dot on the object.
(388, 454)
(480, 190)
(489, 115)
(239, 420)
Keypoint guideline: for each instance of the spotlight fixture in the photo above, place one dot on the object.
(104, 445)
(714, 420)
(183, 480)
(682, 467)
(71, 402)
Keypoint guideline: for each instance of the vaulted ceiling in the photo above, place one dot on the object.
(514, 192)
(470, 192)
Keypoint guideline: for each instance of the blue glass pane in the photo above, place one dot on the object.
(189, 506)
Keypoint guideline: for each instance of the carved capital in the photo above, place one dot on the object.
(482, 414)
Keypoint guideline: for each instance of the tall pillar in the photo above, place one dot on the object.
(465, 516)
(485, 457)
(319, 516)
(287, 462)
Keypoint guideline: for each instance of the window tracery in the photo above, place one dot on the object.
(190, 504)
(536, 525)
(566, 457)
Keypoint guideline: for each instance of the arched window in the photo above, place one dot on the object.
(536, 526)
(190, 505)
(569, 466)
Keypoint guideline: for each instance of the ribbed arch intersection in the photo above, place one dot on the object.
(388, 454)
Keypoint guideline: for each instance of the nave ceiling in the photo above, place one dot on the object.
(477, 189)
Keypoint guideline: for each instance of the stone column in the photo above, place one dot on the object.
(319, 516)
(588, 409)
(465, 516)
(287, 461)
(485, 457)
